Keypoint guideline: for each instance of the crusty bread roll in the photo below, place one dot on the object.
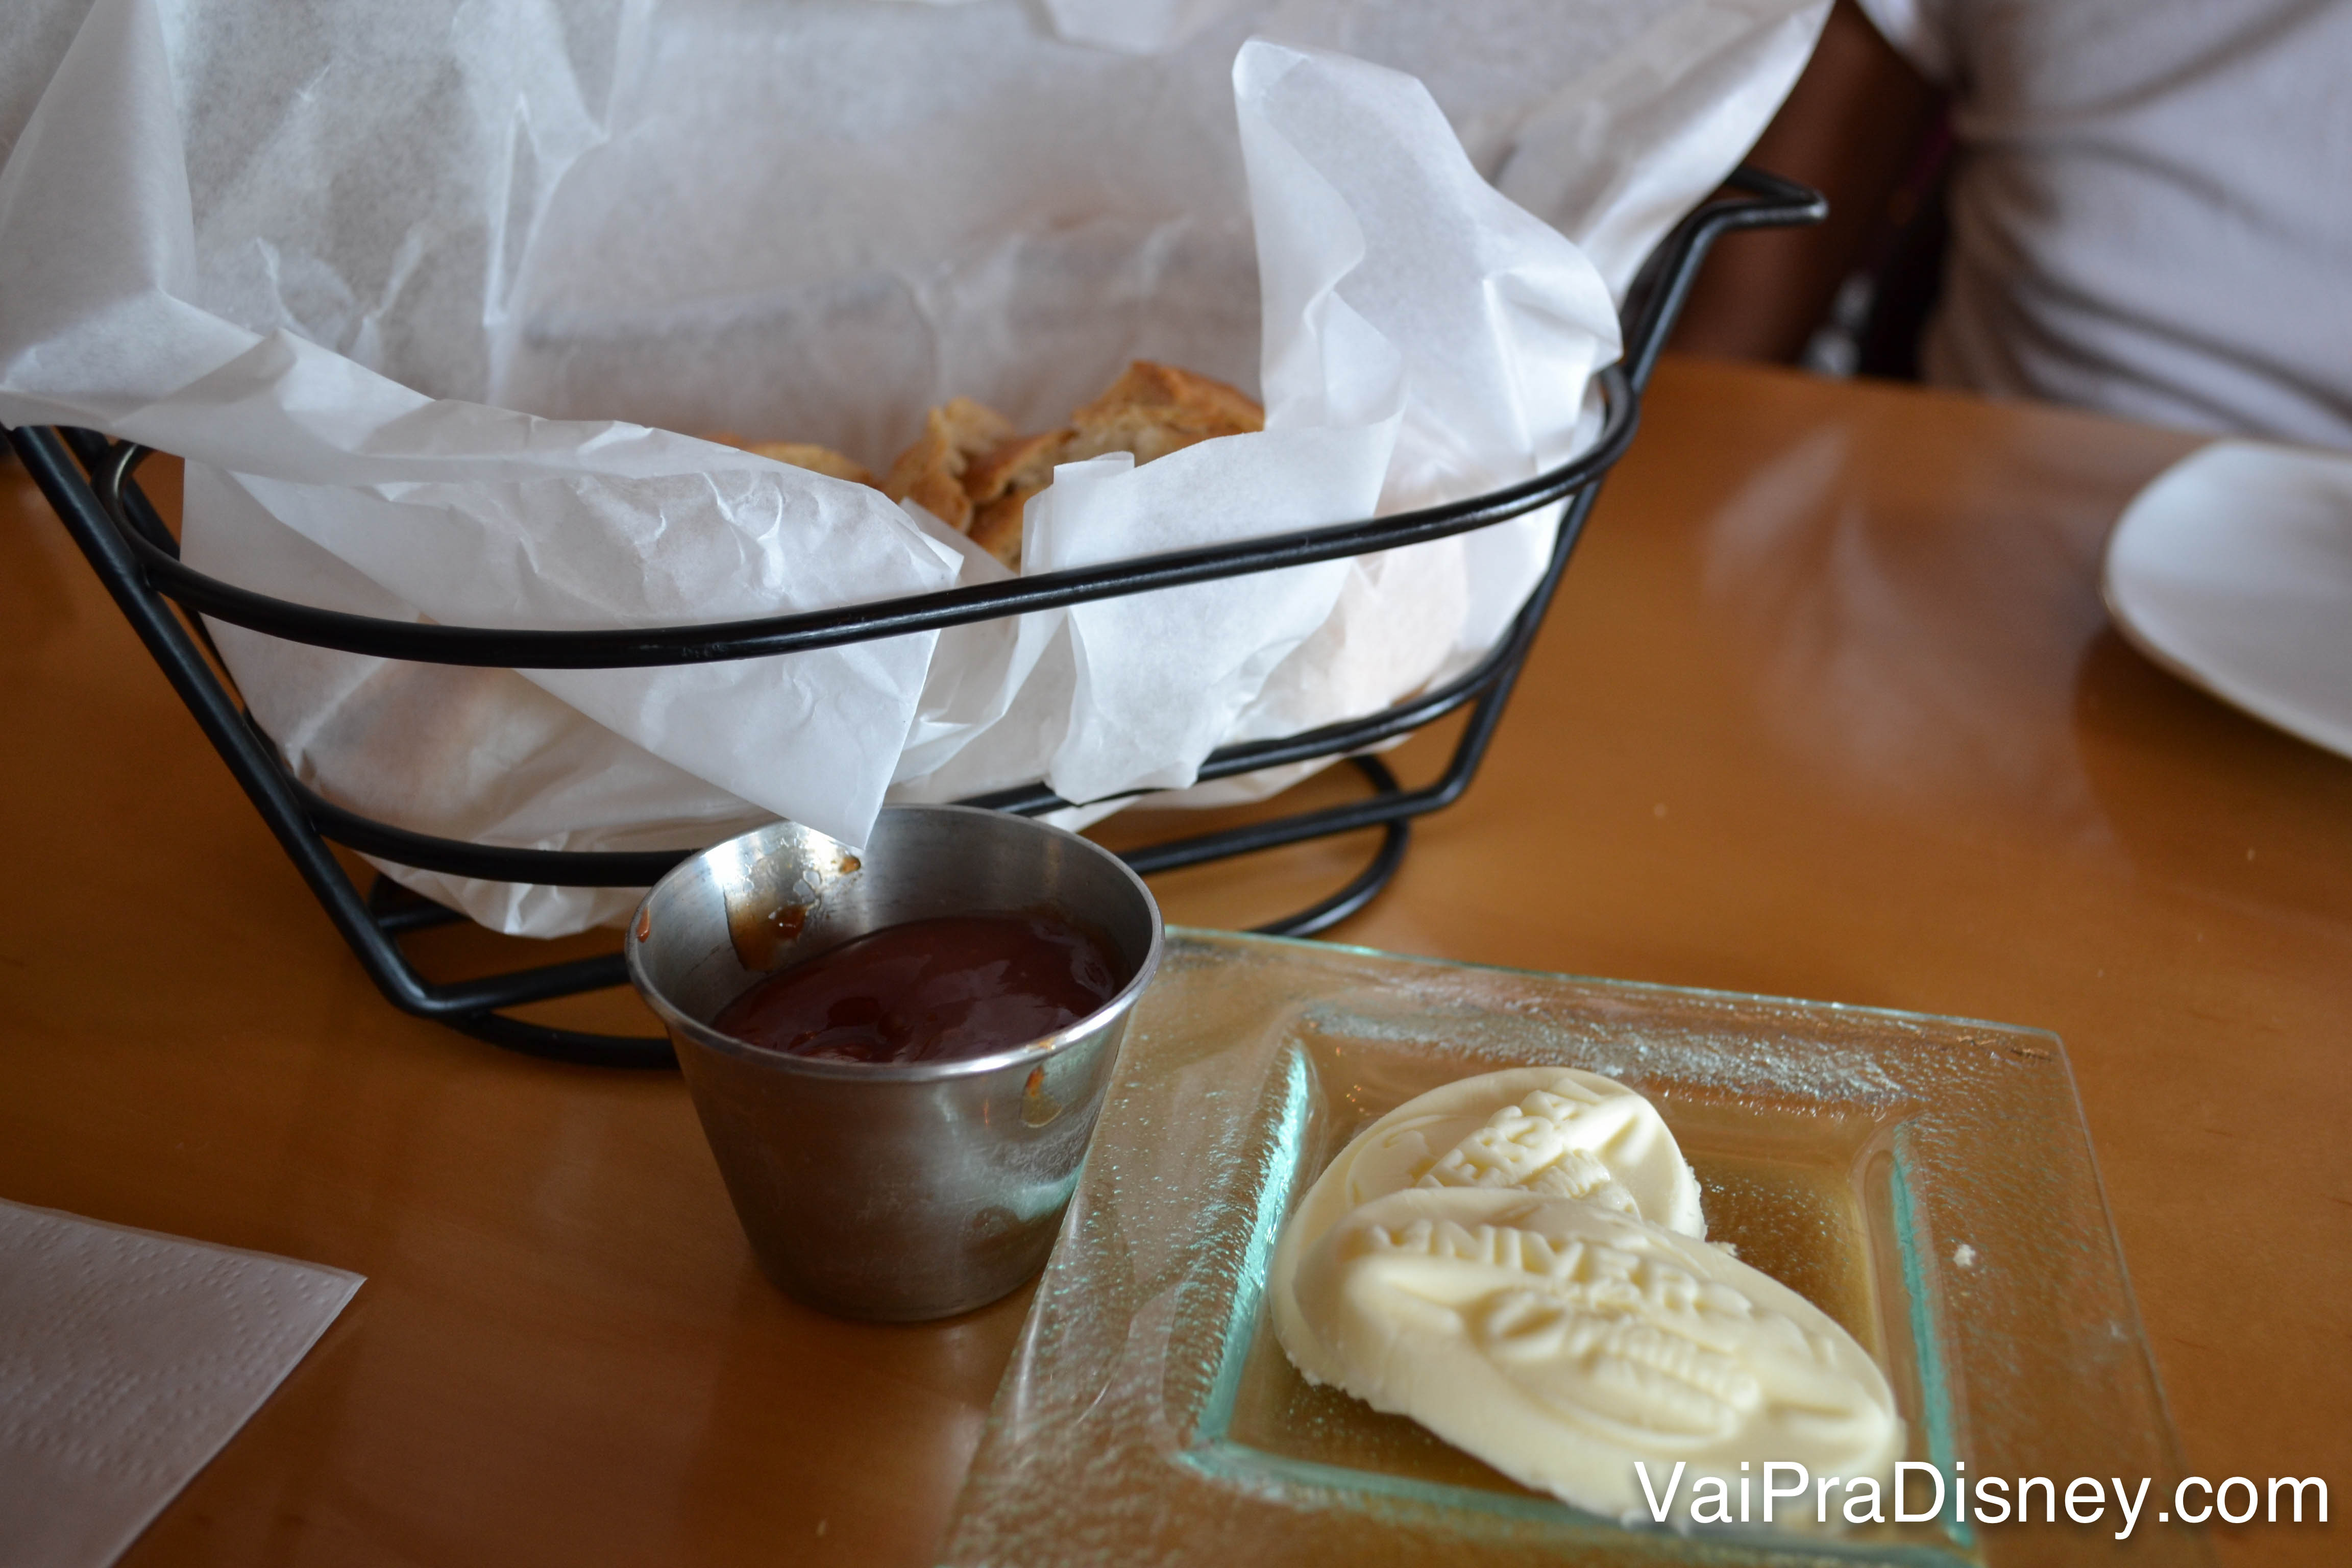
(814, 458)
(1155, 409)
(801, 455)
(1001, 485)
(970, 470)
(931, 473)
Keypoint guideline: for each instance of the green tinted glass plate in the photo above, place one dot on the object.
(1927, 1182)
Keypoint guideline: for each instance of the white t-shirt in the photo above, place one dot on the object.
(2152, 213)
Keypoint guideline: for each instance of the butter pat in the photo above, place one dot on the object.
(1561, 1342)
(1561, 1131)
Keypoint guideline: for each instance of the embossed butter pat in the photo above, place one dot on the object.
(1560, 1342)
(1559, 1131)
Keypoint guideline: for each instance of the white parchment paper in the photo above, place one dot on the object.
(422, 292)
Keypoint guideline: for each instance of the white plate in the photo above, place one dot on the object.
(2234, 570)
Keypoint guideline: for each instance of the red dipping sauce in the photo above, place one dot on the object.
(928, 991)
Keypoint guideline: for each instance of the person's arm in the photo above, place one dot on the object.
(1850, 129)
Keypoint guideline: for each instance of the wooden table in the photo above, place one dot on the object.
(1828, 708)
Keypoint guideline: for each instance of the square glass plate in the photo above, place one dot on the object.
(1927, 1182)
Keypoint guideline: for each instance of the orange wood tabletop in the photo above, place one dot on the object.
(1827, 706)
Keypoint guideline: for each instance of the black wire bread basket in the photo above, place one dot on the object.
(89, 481)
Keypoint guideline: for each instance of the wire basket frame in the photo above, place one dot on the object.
(89, 481)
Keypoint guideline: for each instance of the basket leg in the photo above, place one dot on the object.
(1366, 885)
(471, 1007)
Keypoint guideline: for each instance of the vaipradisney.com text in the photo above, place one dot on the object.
(1922, 1492)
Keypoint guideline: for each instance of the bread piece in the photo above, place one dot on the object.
(930, 472)
(1151, 410)
(1155, 409)
(806, 455)
(970, 470)
(816, 459)
(1001, 484)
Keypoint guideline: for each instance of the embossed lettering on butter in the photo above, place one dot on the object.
(1560, 1342)
(1559, 1131)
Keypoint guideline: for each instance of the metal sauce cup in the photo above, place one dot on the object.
(904, 1191)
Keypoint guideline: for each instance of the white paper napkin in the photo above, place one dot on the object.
(127, 1361)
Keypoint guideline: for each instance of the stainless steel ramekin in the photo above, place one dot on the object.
(905, 1191)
